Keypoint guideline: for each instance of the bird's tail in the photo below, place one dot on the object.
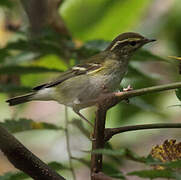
(20, 99)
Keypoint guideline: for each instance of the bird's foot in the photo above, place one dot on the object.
(128, 88)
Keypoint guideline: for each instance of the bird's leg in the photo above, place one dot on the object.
(129, 88)
(78, 113)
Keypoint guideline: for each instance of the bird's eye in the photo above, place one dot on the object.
(133, 43)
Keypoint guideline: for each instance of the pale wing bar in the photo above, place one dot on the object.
(75, 71)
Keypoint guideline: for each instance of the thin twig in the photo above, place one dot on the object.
(25, 160)
(109, 132)
(152, 89)
(112, 99)
(68, 144)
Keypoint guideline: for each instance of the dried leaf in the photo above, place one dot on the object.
(167, 152)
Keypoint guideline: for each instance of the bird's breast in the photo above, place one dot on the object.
(111, 76)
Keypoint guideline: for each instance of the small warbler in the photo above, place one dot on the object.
(81, 86)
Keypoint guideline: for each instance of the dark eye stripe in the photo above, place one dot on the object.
(123, 43)
(133, 43)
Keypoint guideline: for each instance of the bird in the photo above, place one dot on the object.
(82, 85)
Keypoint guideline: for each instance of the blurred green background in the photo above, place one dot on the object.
(27, 60)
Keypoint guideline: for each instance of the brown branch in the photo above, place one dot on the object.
(98, 140)
(112, 99)
(54, 19)
(25, 160)
(105, 102)
(109, 132)
(42, 13)
(45, 13)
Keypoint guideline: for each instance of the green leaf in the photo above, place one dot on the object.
(20, 44)
(152, 161)
(178, 93)
(145, 55)
(40, 46)
(121, 152)
(134, 157)
(98, 45)
(26, 69)
(20, 125)
(14, 176)
(102, 19)
(174, 164)
(3, 55)
(6, 176)
(136, 71)
(52, 61)
(6, 3)
(21, 57)
(57, 166)
(142, 104)
(83, 161)
(170, 165)
(119, 175)
(11, 88)
(91, 48)
(112, 170)
(152, 174)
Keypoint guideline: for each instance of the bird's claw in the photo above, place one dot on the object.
(129, 88)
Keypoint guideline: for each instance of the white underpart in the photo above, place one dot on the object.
(44, 94)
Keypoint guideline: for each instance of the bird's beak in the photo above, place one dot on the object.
(149, 40)
(175, 57)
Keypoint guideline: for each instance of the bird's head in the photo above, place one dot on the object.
(127, 43)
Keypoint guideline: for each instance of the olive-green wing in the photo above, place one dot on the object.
(74, 71)
(93, 63)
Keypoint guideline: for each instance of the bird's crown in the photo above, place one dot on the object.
(129, 41)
